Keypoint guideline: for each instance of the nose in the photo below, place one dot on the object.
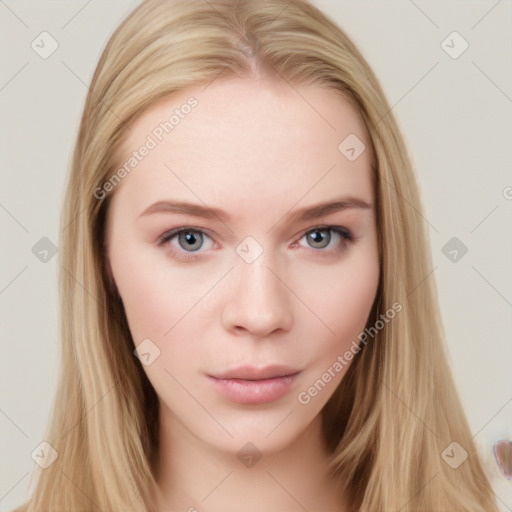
(257, 300)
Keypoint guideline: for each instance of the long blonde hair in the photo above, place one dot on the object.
(395, 411)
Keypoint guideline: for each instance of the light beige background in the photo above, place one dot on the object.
(456, 116)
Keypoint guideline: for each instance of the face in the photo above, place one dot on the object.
(243, 244)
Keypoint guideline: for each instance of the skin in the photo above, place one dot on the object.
(259, 150)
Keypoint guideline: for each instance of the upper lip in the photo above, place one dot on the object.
(256, 372)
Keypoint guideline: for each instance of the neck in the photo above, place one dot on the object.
(193, 476)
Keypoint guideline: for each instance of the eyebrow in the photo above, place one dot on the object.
(299, 215)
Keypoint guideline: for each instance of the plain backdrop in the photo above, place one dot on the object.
(455, 112)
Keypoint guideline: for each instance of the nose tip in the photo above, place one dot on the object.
(257, 301)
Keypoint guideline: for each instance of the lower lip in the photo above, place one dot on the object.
(254, 391)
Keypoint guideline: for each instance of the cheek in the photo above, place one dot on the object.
(163, 309)
(341, 301)
(355, 297)
(344, 306)
(148, 311)
(153, 304)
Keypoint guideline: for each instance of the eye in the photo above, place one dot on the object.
(186, 240)
(321, 237)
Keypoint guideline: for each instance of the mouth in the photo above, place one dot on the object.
(254, 385)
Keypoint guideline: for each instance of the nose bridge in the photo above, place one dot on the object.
(257, 299)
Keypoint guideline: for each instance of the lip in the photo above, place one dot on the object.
(255, 385)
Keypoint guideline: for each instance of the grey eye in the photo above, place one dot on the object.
(319, 238)
(190, 240)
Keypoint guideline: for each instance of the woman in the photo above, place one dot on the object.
(246, 323)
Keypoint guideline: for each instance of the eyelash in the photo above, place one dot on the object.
(346, 239)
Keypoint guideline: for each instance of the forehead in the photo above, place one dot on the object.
(245, 142)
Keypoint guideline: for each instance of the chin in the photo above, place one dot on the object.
(263, 431)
